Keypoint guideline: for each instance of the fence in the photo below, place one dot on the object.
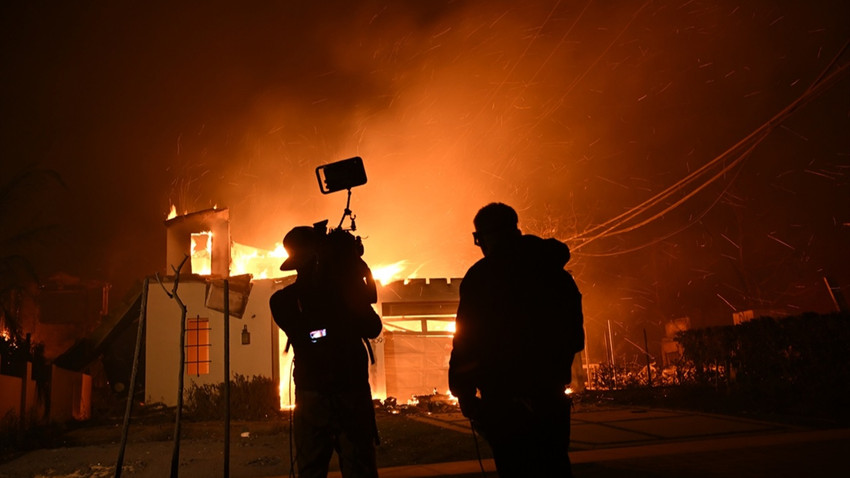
(69, 397)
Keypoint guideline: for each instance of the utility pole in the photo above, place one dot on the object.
(226, 378)
(132, 390)
(646, 352)
(611, 352)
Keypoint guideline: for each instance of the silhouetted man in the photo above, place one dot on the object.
(326, 315)
(519, 325)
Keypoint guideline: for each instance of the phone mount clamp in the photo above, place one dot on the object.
(344, 174)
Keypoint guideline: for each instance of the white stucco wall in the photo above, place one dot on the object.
(162, 334)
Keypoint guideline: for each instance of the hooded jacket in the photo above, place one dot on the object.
(519, 322)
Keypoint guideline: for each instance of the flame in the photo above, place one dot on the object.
(264, 263)
(388, 273)
(452, 399)
(260, 263)
(286, 390)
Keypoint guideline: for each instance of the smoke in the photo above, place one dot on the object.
(451, 109)
(573, 113)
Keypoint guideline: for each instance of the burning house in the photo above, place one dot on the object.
(199, 258)
(411, 355)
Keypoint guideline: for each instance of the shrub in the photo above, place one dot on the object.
(788, 364)
(253, 399)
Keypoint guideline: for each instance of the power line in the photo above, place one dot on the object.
(620, 223)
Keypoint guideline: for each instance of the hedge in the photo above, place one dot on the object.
(805, 357)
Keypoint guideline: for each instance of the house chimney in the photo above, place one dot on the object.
(179, 232)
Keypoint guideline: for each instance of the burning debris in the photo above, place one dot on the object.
(435, 402)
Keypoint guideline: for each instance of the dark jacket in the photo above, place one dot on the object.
(326, 333)
(519, 322)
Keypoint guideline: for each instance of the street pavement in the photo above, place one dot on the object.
(633, 442)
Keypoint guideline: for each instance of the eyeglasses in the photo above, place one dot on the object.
(475, 239)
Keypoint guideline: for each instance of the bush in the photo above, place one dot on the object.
(627, 376)
(794, 365)
(254, 399)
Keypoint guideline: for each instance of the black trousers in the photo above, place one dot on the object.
(343, 422)
(529, 436)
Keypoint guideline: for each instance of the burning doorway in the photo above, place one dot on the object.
(414, 349)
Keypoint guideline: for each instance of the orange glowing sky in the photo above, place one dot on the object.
(572, 112)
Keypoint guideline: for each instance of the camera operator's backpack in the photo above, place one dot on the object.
(342, 270)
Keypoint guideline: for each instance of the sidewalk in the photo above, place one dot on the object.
(639, 443)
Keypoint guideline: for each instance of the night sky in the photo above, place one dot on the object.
(695, 155)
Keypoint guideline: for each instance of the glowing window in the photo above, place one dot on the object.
(198, 346)
(202, 253)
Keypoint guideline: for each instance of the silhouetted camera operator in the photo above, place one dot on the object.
(326, 315)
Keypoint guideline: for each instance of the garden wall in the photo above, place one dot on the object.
(10, 394)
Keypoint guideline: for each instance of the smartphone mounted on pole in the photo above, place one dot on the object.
(340, 175)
